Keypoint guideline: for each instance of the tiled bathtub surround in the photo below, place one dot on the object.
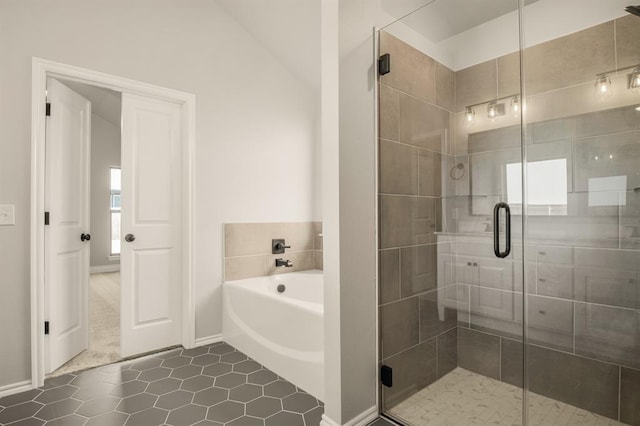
(247, 249)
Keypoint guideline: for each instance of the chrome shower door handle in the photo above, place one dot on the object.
(496, 229)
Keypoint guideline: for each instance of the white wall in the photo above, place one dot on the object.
(349, 209)
(255, 128)
(105, 153)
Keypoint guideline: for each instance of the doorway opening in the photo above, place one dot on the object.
(130, 294)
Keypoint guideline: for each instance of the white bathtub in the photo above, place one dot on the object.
(282, 331)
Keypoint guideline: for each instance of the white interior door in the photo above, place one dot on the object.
(68, 144)
(151, 257)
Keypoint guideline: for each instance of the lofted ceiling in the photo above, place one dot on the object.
(288, 29)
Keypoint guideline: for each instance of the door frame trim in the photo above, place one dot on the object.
(41, 69)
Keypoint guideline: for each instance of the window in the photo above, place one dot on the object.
(546, 187)
(116, 185)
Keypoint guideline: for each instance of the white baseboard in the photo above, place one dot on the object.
(209, 340)
(15, 388)
(101, 269)
(361, 419)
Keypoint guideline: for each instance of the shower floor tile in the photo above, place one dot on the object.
(465, 398)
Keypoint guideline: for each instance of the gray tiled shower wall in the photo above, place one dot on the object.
(419, 340)
(247, 248)
(437, 268)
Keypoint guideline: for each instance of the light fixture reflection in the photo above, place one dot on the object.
(515, 106)
(492, 110)
(634, 80)
(603, 86)
(470, 115)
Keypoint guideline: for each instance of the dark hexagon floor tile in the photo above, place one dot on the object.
(160, 387)
(136, 403)
(72, 420)
(225, 411)
(245, 393)
(279, 389)
(233, 357)
(89, 377)
(216, 370)
(208, 423)
(262, 377)
(285, 418)
(299, 402)
(168, 354)
(246, 421)
(123, 376)
(54, 382)
(153, 374)
(146, 364)
(186, 371)
(124, 390)
(112, 418)
(211, 396)
(206, 359)
(248, 366)
(195, 351)
(29, 421)
(187, 415)
(314, 416)
(58, 409)
(175, 362)
(197, 383)
(19, 398)
(174, 399)
(56, 394)
(98, 406)
(148, 417)
(96, 390)
(221, 349)
(19, 411)
(231, 380)
(264, 407)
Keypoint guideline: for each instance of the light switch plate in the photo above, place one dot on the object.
(7, 214)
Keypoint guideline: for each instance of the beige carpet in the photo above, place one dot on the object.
(104, 325)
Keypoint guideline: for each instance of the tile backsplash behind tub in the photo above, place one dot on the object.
(247, 248)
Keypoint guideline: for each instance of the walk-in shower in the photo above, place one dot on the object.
(509, 213)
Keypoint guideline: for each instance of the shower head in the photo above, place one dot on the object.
(633, 9)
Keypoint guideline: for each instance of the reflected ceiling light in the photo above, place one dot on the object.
(603, 86)
(634, 79)
(638, 108)
(515, 105)
(470, 115)
(495, 110)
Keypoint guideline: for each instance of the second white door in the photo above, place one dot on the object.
(151, 257)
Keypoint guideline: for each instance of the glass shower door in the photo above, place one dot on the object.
(583, 213)
(451, 306)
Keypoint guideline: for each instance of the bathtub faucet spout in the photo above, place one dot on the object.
(286, 263)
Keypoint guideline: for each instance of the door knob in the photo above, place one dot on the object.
(129, 238)
(85, 237)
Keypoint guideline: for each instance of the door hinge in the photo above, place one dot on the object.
(384, 64)
(48, 109)
(46, 218)
(386, 376)
(46, 327)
